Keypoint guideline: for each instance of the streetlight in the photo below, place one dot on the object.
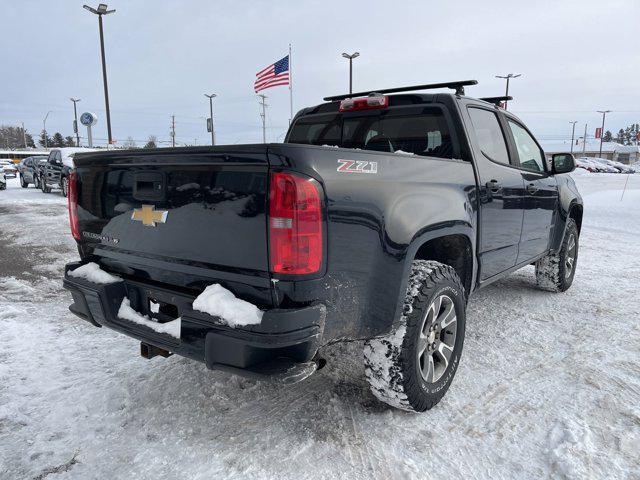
(350, 58)
(75, 121)
(44, 129)
(573, 131)
(210, 120)
(604, 114)
(508, 77)
(100, 11)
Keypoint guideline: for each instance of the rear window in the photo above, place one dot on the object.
(426, 133)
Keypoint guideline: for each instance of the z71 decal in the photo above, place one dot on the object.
(357, 166)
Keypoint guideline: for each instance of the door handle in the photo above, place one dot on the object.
(531, 188)
(493, 185)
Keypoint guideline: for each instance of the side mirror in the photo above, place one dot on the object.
(563, 163)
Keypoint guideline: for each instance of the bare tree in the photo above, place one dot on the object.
(152, 142)
(129, 143)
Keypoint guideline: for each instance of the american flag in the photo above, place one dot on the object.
(272, 76)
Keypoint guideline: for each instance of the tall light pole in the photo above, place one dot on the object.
(44, 129)
(508, 77)
(350, 58)
(24, 135)
(604, 114)
(573, 132)
(213, 135)
(75, 121)
(100, 11)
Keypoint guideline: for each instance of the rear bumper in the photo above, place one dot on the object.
(282, 346)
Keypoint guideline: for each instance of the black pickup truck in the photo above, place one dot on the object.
(375, 220)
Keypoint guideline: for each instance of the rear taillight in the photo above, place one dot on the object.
(295, 225)
(72, 197)
(366, 103)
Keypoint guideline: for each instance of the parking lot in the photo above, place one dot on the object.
(549, 384)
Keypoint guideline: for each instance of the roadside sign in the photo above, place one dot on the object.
(209, 125)
(598, 132)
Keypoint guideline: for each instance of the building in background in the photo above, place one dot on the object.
(626, 154)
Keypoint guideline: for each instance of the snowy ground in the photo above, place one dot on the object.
(549, 384)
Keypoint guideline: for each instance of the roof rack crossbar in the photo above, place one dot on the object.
(497, 100)
(457, 86)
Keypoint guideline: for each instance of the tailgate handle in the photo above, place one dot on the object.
(149, 186)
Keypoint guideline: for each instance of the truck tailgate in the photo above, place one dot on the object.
(199, 212)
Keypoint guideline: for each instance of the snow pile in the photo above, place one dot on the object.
(402, 152)
(220, 302)
(92, 272)
(127, 313)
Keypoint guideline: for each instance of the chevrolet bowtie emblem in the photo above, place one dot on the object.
(148, 215)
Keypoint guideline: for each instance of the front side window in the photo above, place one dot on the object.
(489, 134)
(529, 153)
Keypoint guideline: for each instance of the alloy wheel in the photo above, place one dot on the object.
(437, 338)
(571, 256)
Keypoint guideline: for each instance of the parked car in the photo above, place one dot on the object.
(619, 167)
(59, 165)
(28, 169)
(3, 178)
(595, 166)
(605, 164)
(10, 169)
(582, 162)
(374, 221)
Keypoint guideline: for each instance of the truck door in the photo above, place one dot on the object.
(501, 189)
(540, 196)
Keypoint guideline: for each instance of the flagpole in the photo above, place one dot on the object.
(290, 87)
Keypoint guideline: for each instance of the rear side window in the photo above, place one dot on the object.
(489, 135)
(425, 134)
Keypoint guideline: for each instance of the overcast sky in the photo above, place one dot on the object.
(575, 57)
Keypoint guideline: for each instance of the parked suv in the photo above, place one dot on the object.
(28, 169)
(374, 221)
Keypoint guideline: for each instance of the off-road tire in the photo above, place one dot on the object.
(65, 186)
(392, 362)
(44, 187)
(36, 181)
(553, 272)
(23, 184)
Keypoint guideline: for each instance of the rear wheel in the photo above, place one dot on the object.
(23, 183)
(413, 366)
(555, 272)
